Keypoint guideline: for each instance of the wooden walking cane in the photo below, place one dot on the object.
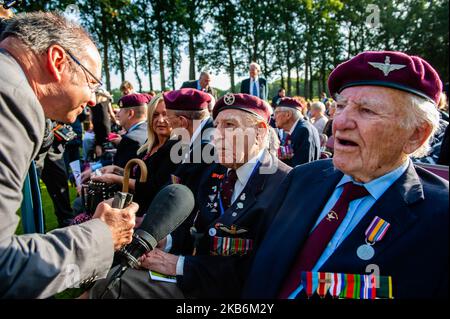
(123, 199)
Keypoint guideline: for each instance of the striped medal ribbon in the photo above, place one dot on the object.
(374, 233)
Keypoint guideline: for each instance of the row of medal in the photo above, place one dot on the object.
(347, 286)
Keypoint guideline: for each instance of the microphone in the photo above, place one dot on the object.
(11, 3)
(170, 207)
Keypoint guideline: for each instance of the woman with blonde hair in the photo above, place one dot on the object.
(156, 155)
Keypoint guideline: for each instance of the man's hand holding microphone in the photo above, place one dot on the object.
(121, 222)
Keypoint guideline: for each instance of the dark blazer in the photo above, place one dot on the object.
(189, 174)
(129, 145)
(159, 168)
(263, 88)
(305, 143)
(414, 251)
(207, 276)
(193, 85)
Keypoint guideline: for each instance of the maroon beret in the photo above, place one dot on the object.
(244, 102)
(290, 102)
(186, 100)
(391, 69)
(131, 100)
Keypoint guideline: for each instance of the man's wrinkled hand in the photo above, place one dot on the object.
(160, 261)
(120, 221)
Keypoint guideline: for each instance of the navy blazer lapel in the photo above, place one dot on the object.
(392, 206)
(309, 202)
(247, 197)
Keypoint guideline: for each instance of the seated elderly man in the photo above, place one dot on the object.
(302, 143)
(232, 198)
(318, 117)
(369, 210)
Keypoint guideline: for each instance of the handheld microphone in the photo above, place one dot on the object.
(11, 3)
(170, 207)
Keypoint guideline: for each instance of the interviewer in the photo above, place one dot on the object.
(49, 68)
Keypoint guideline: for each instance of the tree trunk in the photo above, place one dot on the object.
(161, 57)
(121, 58)
(231, 63)
(136, 63)
(311, 78)
(305, 84)
(297, 83)
(282, 78)
(149, 54)
(172, 64)
(191, 57)
(105, 42)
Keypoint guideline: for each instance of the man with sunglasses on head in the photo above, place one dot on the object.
(50, 68)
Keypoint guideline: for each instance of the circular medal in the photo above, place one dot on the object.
(212, 232)
(365, 252)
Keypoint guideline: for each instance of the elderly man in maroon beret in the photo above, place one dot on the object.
(368, 223)
(232, 198)
(302, 142)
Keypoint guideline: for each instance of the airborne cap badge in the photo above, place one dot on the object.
(387, 67)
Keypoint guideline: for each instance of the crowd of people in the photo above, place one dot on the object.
(293, 198)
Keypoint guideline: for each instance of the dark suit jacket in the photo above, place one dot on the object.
(305, 143)
(193, 85)
(129, 145)
(414, 251)
(207, 276)
(263, 88)
(189, 174)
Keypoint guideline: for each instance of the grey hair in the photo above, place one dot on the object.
(256, 65)
(296, 114)
(193, 115)
(253, 120)
(318, 106)
(204, 73)
(40, 30)
(421, 112)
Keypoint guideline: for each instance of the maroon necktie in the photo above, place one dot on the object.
(320, 237)
(228, 188)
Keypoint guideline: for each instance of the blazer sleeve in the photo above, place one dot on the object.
(214, 276)
(302, 146)
(126, 150)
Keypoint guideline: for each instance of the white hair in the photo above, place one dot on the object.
(256, 65)
(318, 106)
(296, 114)
(421, 112)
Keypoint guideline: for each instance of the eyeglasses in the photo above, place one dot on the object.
(93, 88)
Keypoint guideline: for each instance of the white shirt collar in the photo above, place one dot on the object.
(198, 130)
(244, 173)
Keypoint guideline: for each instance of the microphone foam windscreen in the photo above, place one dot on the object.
(170, 207)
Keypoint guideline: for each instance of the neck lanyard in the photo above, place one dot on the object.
(219, 190)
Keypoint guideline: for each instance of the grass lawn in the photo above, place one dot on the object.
(51, 223)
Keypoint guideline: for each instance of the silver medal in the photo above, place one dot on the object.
(365, 252)
(212, 232)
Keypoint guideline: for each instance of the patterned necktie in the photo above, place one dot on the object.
(320, 237)
(228, 188)
(255, 89)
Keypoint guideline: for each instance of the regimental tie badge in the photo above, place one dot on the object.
(332, 215)
(387, 67)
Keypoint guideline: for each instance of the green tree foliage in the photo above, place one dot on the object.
(297, 42)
